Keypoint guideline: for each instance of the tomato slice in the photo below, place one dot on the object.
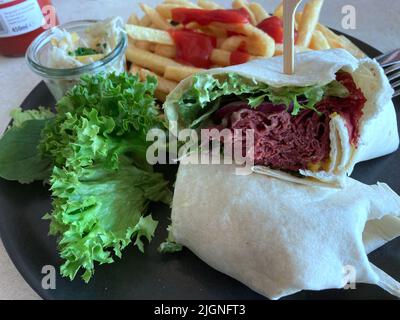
(239, 57)
(193, 48)
(273, 26)
(205, 17)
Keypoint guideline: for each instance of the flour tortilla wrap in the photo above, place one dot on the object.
(279, 238)
(378, 125)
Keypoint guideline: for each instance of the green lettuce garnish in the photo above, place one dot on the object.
(20, 159)
(197, 103)
(101, 182)
(93, 153)
(19, 116)
(170, 245)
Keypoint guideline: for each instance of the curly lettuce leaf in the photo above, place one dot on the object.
(101, 184)
(125, 99)
(196, 104)
(20, 116)
(98, 212)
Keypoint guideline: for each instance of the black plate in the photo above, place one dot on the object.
(152, 275)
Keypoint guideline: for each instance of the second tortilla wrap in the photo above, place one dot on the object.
(279, 238)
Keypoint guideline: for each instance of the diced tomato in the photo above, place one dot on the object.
(239, 57)
(273, 26)
(205, 17)
(193, 48)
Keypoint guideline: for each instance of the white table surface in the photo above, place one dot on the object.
(378, 22)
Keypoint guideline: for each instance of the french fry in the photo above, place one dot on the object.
(319, 42)
(258, 43)
(221, 57)
(149, 34)
(144, 45)
(135, 70)
(279, 49)
(156, 19)
(133, 19)
(279, 11)
(153, 49)
(165, 51)
(164, 85)
(214, 31)
(258, 11)
(165, 10)
(233, 43)
(332, 38)
(351, 47)
(238, 4)
(336, 41)
(220, 41)
(192, 26)
(179, 73)
(145, 21)
(208, 5)
(328, 33)
(309, 21)
(297, 19)
(149, 60)
(182, 3)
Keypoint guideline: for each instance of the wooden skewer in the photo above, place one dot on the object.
(289, 10)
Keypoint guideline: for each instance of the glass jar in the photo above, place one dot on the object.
(59, 81)
(21, 21)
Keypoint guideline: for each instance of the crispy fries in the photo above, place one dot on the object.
(182, 3)
(279, 11)
(233, 43)
(221, 57)
(149, 34)
(351, 47)
(145, 21)
(149, 60)
(259, 43)
(238, 4)
(156, 19)
(208, 5)
(152, 50)
(179, 73)
(309, 21)
(258, 11)
(319, 41)
(165, 51)
(165, 10)
(133, 19)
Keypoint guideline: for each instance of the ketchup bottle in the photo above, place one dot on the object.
(21, 21)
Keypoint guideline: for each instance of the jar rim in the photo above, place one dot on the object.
(67, 72)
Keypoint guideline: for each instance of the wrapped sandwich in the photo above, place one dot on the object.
(279, 237)
(311, 128)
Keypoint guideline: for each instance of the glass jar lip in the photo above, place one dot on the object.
(62, 73)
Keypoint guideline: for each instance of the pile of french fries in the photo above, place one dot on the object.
(151, 49)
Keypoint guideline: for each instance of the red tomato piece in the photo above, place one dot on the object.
(273, 26)
(193, 48)
(205, 17)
